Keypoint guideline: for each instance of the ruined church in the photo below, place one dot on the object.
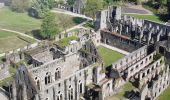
(77, 72)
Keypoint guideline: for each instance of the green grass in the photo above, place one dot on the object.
(147, 17)
(89, 24)
(4, 81)
(11, 41)
(120, 95)
(17, 21)
(65, 41)
(109, 56)
(23, 23)
(165, 95)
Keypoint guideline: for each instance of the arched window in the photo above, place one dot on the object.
(46, 81)
(47, 78)
(57, 74)
(37, 81)
(81, 88)
(61, 97)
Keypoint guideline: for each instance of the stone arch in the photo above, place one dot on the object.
(37, 82)
(58, 74)
(70, 93)
(47, 78)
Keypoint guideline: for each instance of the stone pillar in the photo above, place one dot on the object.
(149, 36)
(24, 92)
(14, 91)
(120, 28)
(141, 35)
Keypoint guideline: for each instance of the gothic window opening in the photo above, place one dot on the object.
(61, 97)
(81, 88)
(57, 74)
(47, 78)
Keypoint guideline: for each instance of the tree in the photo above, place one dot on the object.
(92, 6)
(64, 21)
(40, 7)
(71, 2)
(168, 4)
(20, 5)
(49, 27)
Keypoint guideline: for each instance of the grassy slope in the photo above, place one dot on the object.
(10, 41)
(109, 56)
(17, 21)
(165, 95)
(147, 17)
(22, 22)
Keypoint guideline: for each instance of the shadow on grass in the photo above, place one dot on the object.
(36, 34)
(78, 20)
(164, 17)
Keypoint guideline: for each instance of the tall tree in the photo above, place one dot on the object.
(168, 4)
(71, 2)
(64, 21)
(40, 7)
(92, 6)
(49, 28)
(20, 5)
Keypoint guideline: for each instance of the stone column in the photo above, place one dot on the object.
(24, 92)
(14, 91)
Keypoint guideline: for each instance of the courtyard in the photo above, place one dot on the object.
(121, 94)
(147, 17)
(11, 41)
(109, 56)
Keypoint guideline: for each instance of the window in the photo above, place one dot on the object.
(137, 66)
(57, 74)
(47, 78)
(81, 88)
(150, 57)
(143, 75)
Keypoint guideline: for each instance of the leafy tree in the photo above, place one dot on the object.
(70, 2)
(20, 5)
(92, 6)
(49, 27)
(64, 21)
(168, 4)
(40, 7)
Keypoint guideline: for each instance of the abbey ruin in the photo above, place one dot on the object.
(77, 72)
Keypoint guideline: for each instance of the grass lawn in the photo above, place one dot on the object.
(109, 56)
(10, 41)
(120, 95)
(65, 41)
(147, 17)
(23, 23)
(17, 21)
(165, 95)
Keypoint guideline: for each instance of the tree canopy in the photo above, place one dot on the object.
(40, 7)
(20, 5)
(49, 28)
(92, 6)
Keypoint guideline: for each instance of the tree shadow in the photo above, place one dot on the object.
(36, 34)
(78, 20)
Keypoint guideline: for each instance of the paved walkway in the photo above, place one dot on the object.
(115, 49)
(135, 9)
(56, 10)
(20, 33)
